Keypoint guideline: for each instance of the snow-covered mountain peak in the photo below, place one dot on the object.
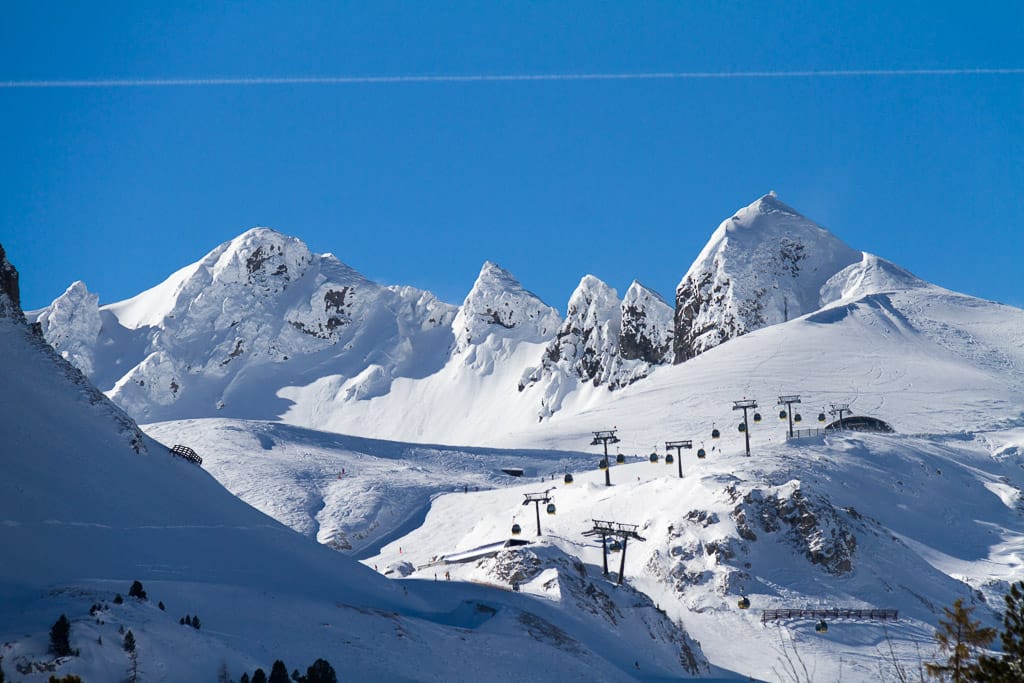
(71, 325)
(499, 306)
(259, 256)
(764, 265)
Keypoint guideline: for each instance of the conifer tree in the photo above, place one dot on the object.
(961, 640)
(129, 641)
(278, 673)
(1008, 668)
(321, 672)
(195, 622)
(60, 644)
(137, 591)
(259, 676)
(244, 678)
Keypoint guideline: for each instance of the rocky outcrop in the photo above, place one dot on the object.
(564, 578)
(647, 326)
(811, 526)
(10, 295)
(765, 265)
(587, 344)
(603, 342)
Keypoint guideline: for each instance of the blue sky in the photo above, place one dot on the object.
(419, 183)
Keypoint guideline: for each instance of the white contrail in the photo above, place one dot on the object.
(495, 78)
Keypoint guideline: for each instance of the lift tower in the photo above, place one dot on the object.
(679, 446)
(745, 405)
(605, 437)
(616, 530)
(839, 409)
(537, 499)
(788, 401)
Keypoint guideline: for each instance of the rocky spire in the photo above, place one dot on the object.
(10, 295)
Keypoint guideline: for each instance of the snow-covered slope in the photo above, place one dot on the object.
(908, 521)
(88, 504)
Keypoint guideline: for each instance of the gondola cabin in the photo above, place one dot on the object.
(743, 427)
(653, 457)
(715, 434)
(757, 417)
(743, 603)
(516, 529)
(551, 508)
(797, 418)
(620, 458)
(782, 414)
(669, 459)
(567, 478)
(821, 626)
(603, 464)
(701, 454)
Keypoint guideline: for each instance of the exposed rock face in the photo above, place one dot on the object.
(71, 324)
(647, 326)
(603, 341)
(498, 306)
(10, 295)
(588, 341)
(813, 527)
(765, 265)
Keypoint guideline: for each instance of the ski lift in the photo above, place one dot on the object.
(821, 626)
(743, 427)
(821, 417)
(743, 603)
(796, 417)
(516, 529)
(603, 464)
(782, 414)
(620, 458)
(715, 433)
(757, 417)
(669, 459)
(567, 478)
(653, 457)
(551, 508)
(701, 454)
